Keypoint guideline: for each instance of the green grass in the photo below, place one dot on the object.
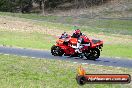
(27, 40)
(114, 26)
(30, 16)
(20, 72)
(117, 50)
(111, 26)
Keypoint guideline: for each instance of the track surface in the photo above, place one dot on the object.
(46, 54)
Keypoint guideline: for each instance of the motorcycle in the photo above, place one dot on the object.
(65, 46)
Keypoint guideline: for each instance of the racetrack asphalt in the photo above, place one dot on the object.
(43, 54)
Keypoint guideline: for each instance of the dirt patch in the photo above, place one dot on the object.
(25, 26)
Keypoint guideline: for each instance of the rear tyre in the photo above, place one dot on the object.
(56, 51)
(93, 54)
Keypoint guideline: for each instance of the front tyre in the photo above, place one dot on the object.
(56, 51)
(93, 54)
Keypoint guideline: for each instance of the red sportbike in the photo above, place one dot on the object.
(65, 46)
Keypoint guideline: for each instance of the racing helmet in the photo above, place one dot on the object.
(77, 31)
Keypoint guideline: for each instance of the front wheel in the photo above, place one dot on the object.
(56, 51)
(93, 54)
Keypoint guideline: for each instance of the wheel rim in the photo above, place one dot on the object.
(55, 51)
(94, 54)
(87, 54)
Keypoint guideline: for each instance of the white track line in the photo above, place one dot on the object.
(100, 65)
(110, 66)
(75, 62)
(6, 54)
(24, 56)
(118, 67)
(33, 57)
(84, 63)
(117, 57)
(92, 64)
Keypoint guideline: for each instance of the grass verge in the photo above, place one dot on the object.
(24, 72)
(117, 50)
(26, 39)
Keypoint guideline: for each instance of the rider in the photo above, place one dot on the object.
(77, 33)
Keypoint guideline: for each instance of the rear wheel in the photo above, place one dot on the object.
(93, 54)
(56, 51)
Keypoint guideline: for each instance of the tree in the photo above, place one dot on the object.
(25, 5)
(12, 5)
(5, 5)
(39, 2)
(42, 4)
